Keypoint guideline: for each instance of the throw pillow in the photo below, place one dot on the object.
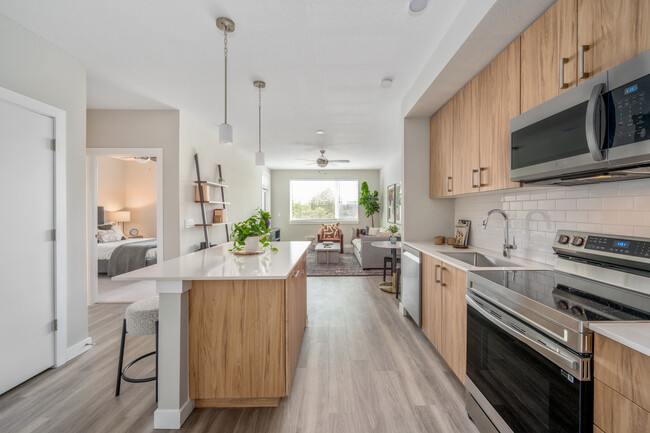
(331, 230)
(105, 236)
(373, 231)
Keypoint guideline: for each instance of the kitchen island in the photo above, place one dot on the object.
(230, 328)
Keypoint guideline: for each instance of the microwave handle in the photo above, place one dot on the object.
(593, 122)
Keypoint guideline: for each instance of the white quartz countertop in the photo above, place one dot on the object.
(439, 252)
(217, 263)
(634, 335)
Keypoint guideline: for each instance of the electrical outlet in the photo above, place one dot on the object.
(189, 223)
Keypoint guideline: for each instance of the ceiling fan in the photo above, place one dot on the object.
(323, 162)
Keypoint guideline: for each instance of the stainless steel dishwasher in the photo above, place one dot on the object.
(411, 282)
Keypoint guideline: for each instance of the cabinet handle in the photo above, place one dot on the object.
(435, 274)
(480, 172)
(581, 63)
(473, 184)
(563, 60)
(448, 182)
(442, 271)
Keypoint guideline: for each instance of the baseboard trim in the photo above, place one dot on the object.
(77, 349)
(172, 419)
(237, 402)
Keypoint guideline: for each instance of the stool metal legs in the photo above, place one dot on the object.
(121, 372)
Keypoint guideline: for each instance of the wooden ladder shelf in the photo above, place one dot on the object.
(203, 201)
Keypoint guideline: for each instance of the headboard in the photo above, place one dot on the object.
(100, 215)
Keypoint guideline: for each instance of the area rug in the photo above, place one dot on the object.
(347, 266)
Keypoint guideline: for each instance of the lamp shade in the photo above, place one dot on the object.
(225, 133)
(120, 216)
(259, 158)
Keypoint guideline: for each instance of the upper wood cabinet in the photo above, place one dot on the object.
(499, 96)
(609, 33)
(465, 143)
(440, 152)
(549, 55)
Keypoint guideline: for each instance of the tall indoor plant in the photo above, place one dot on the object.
(252, 233)
(369, 200)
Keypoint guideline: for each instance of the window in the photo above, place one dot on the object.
(324, 200)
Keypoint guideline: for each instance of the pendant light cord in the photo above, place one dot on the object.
(225, 64)
(260, 119)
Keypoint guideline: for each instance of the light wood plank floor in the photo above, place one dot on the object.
(362, 368)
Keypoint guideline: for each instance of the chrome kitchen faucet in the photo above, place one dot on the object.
(506, 246)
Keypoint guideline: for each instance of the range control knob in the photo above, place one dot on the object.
(563, 239)
(577, 241)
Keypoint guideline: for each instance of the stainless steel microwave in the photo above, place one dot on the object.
(597, 132)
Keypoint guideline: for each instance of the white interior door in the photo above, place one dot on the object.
(27, 252)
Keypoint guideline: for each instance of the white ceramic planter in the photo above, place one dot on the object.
(252, 244)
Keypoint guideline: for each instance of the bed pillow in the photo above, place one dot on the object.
(119, 231)
(105, 236)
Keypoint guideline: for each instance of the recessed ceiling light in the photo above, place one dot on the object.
(386, 83)
(320, 132)
(418, 5)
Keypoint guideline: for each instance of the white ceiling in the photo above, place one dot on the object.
(322, 61)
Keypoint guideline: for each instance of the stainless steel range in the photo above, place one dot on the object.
(529, 346)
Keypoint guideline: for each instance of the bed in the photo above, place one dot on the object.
(122, 255)
(105, 252)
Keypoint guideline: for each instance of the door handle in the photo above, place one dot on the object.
(563, 60)
(442, 269)
(473, 184)
(594, 123)
(581, 63)
(435, 274)
(448, 182)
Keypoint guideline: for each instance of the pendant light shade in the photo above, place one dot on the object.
(226, 25)
(259, 155)
(225, 133)
(259, 158)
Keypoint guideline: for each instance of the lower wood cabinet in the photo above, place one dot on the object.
(444, 312)
(621, 388)
(244, 339)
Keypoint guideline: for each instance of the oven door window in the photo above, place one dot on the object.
(557, 137)
(529, 392)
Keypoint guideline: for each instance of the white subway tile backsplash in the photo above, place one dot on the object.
(621, 208)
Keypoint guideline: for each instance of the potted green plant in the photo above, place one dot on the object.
(393, 229)
(252, 233)
(369, 200)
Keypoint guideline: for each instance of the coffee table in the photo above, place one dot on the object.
(327, 255)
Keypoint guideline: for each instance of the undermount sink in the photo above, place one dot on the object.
(482, 261)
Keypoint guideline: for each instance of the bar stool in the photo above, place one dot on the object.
(141, 318)
(389, 260)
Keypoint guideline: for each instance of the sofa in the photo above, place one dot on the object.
(370, 257)
(339, 238)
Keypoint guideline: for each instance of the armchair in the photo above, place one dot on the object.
(339, 239)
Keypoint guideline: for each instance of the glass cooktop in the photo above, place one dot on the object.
(573, 296)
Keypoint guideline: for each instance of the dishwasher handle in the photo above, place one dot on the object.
(411, 256)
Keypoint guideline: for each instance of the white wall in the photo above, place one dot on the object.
(423, 218)
(142, 129)
(34, 67)
(241, 174)
(129, 185)
(280, 200)
(618, 208)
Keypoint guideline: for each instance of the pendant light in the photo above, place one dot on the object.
(226, 25)
(259, 156)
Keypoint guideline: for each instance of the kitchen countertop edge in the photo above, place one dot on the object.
(634, 335)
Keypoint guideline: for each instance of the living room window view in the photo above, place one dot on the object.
(325, 216)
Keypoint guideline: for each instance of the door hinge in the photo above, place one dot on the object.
(53, 143)
(55, 324)
(53, 234)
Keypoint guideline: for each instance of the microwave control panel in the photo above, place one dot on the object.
(630, 105)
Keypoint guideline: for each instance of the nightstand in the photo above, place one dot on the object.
(136, 237)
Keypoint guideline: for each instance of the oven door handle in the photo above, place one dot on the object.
(571, 365)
